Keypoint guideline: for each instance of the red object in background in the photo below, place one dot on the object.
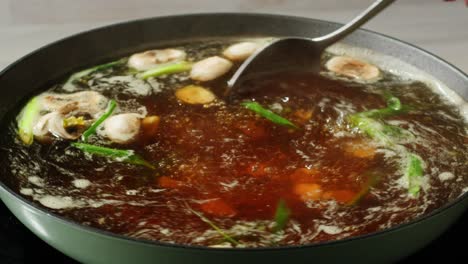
(466, 1)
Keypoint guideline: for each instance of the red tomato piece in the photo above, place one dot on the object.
(218, 207)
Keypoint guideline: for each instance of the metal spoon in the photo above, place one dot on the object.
(297, 53)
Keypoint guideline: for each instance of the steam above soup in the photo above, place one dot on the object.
(147, 147)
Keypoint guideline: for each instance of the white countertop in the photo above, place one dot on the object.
(435, 25)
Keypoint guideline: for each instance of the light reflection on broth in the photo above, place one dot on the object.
(350, 152)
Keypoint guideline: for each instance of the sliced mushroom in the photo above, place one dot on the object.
(90, 102)
(193, 94)
(240, 51)
(353, 68)
(122, 128)
(149, 59)
(52, 123)
(210, 68)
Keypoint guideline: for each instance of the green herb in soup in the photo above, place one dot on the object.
(92, 129)
(281, 215)
(147, 146)
(257, 108)
(166, 69)
(26, 121)
(116, 154)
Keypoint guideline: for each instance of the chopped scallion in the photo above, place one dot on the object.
(73, 121)
(26, 121)
(171, 68)
(92, 129)
(257, 108)
(414, 172)
(394, 103)
(281, 216)
(117, 154)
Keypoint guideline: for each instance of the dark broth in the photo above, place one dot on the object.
(241, 164)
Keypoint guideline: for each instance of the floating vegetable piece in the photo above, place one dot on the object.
(369, 126)
(282, 214)
(215, 227)
(257, 108)
(383, 133)
(127, 156)
(218, 207)
(193, 94)
(393, 103)
(149, 125)
(26, 120)
(152, 58)
(394, 107)
(353, 68)
(372, 179)
(210, 68)
(308, 191)
(240, 51)
(90, 102)
(74, 121)
(388, 135)
(92, 129)
(414, 173)
(91, 70)
(379, 113)
(171, 68)
(123, 128)
(52, 123)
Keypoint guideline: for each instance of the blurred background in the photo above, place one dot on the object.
(436, 25)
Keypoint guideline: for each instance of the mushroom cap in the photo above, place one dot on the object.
(353, 68)
(210, 68)
(240, 51)
(122, 128)
(149, 59)
(90, 102)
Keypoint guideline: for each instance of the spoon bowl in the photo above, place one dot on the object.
(294, 53)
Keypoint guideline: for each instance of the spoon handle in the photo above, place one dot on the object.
(358, 21)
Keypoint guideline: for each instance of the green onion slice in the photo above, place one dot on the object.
(257, 108)
(122, 155)
(92, 129)
(26, 121)
(171, 68)
(281, 216)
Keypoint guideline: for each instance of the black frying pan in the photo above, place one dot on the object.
(38, 69)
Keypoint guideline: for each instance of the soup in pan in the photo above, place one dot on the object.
(148, 147)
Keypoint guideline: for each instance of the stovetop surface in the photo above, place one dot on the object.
(19, 246)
